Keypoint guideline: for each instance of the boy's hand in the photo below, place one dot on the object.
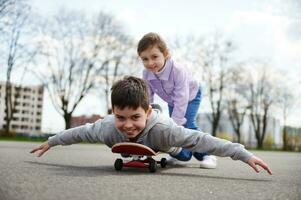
(43, 147)
(253, 161)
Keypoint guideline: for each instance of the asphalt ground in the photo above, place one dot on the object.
(86, 171)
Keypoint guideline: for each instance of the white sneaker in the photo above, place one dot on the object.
(171, 160)
(208, 162)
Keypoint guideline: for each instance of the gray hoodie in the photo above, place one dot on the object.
(161, 134)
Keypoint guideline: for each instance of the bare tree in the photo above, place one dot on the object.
(286, 103)
(5, 11)
(76, 50)
(121, 66)
(216, 58)
(236, 99)
(15, 18)
(261, 98)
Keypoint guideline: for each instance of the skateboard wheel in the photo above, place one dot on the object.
(163, 162)
(152, 165)
(118, 164)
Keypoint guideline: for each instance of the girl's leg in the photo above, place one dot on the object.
(191, 114)
(192, 111)
(208, 162)
(184, 155)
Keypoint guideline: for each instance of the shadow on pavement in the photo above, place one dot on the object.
(92, 171)
(72, 170)
(217, 177)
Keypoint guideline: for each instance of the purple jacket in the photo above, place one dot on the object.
(175, 85)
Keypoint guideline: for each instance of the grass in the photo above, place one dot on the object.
(29, 139)
(22, 139)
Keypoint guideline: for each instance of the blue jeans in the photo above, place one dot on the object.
(190, 115)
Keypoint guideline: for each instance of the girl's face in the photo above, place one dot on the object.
(153, 59)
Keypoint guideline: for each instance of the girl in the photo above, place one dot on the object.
(176, 86)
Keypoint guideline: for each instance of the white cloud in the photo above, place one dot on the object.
(127, 16)
(270, 32)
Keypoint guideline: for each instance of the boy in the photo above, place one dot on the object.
(135, 121)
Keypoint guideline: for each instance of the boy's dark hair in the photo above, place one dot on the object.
(150, 40)
(130, 92)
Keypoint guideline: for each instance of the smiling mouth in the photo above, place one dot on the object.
(152, 67)
(129, 132)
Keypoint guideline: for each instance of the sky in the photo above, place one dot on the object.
(268, 30)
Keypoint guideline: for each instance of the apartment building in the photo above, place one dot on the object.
(29, 105)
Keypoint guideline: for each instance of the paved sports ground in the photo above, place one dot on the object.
(86, 171)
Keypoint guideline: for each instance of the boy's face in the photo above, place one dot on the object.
(129, 121)
(153, 59)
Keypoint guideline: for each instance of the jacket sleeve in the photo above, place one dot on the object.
(197, 141)
(180, 98)
(91, 133)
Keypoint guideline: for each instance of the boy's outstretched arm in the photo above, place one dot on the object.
(253, 161)
(43, 148)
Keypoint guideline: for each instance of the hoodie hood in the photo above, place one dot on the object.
(150, 123)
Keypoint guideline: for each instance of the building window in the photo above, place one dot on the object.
(14, 126)
(24, 127)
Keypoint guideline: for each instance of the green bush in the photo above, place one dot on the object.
(268, 142)
(224, 135)
(4, 133)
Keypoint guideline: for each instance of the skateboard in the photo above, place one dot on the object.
(141, 156)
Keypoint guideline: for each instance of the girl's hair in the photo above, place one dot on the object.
(150, 40)
(130, 92)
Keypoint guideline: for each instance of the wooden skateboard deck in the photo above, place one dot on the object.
(137, 152)
(133, 149)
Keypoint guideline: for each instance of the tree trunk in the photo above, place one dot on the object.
(214, 127)
(8, 107)
(284, 137)
(259, 144)
(67, 118)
